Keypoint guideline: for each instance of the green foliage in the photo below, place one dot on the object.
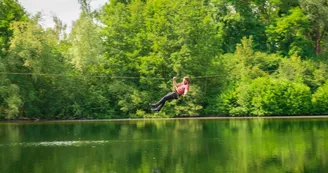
(320, 100)
(253, 57)
(10, 10)
(266, 96)
(13, 102)
(289, 34)
(33, 50)
(311, 73)
(317, 10)
(10, 100)
(246, 64)
(250, 90)
(156, 40)
(86, 52)
(236, 19)
(224, 102)
(159, 39)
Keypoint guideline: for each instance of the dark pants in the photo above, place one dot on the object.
(169, 96)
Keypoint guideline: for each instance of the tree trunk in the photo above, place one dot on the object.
(317, 46)
(318, 40)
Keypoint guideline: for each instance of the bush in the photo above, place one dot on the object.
(320, 100)
(267, 96)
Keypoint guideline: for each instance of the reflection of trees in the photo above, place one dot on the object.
(257, 145)
(276, 145)
(9, 134)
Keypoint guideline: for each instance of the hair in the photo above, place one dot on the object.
(187, 78)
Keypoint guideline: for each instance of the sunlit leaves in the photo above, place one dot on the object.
(289, 34)
(10, 11)
(32, 48)
(86, 52)
(320, 99)
(265, 96)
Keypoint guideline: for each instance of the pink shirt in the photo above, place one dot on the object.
(181, 89)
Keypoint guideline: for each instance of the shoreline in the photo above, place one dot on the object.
(173, 118)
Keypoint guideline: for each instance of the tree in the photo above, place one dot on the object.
(317, 10)
(236, 19)
(86, 52)
(10, 10)
(33, 50)
(289, 34)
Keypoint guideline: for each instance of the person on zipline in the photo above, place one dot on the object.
(179, 89)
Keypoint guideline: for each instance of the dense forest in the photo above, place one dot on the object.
(244, 58)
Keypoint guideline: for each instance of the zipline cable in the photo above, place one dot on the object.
(112, 77)
(99, 76)
(65, 75)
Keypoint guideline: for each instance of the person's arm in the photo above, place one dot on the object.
(185, 92)
(175, 82)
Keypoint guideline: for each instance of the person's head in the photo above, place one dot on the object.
(186, 80)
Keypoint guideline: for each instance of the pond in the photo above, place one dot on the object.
(158, 146)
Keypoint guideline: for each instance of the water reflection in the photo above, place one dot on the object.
(252, 145)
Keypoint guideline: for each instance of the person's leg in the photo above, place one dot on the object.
(158, 108)
(164, 99)
(161, 103)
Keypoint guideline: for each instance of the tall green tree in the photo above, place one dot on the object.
(289, 34)
(236, 19)
(10, 10)
(317, 10)
(86, 52)
(33, 50)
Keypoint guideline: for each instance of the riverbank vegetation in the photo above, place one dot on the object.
(244, 58)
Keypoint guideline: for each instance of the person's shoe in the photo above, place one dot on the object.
(154, 110)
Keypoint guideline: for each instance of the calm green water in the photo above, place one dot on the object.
(158, 146)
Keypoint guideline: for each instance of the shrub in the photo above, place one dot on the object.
(267, 96)
(320, 100)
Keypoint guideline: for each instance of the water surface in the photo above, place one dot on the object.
(158, 146)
